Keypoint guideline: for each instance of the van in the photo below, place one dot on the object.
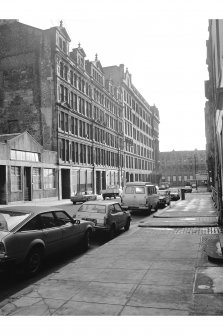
(140, 196)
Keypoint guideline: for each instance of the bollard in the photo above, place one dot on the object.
(182, 194)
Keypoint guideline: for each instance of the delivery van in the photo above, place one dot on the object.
(140, 196)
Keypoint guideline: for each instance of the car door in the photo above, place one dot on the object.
(114, 216)
(52, 233)
(120, 215)
(71, 232)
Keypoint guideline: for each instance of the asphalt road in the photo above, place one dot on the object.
(11, 283)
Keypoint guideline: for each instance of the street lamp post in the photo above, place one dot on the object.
(195, 170)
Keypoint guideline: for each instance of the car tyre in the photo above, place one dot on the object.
(74, 202)
(86, 240)
(112, 232)
(33, 261)
(156, 208)
(149, 210)
(127, 225)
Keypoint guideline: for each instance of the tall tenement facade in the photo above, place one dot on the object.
(102, 129)
(214, 111)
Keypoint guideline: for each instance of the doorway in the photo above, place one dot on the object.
(98, 182)
(3, 199)
(65, 181)
(27, 183)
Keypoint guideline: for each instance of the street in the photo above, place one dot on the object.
(11, 283)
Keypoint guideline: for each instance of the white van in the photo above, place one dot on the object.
(140, 196)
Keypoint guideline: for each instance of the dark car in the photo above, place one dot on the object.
(164, 197)
(174, 194)
(29, 234)
(187, 189)
(107, 216)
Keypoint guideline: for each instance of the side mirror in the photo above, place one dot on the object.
(76, 221)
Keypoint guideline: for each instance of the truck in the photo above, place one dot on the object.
(111, 192)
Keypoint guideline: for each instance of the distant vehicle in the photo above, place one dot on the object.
(164, 198)
(111, 192)
(107, 216)
(83, 197)
(164, 185)
(29, 234)
(188, 189)
(194, 185)
(138, 196)
(174, 194)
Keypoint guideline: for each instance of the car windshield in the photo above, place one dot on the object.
(10, 219)
(92, 208)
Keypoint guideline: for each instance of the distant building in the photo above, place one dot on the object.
(181, 167)
(103, 130)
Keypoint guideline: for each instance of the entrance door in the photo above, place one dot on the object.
(98, 182)
(27, 183)
(3, 184)
(65, 181)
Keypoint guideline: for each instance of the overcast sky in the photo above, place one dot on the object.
(161, 42)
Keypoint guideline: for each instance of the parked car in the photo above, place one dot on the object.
(140, 196)
(107, 216)
(164, 198)
(174, 194)
(83, 197)
(111, 192)
(187, 189)
(29, 234)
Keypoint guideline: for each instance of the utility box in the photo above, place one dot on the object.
(182, 193)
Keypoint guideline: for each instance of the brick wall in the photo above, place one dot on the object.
(26, 82)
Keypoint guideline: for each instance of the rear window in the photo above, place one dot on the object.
(140, 190)
(129, 190)
(10, 219)
(92, 208)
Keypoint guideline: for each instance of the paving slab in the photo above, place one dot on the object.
(154, 296)
(145, 271)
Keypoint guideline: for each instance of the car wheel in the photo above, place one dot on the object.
(156, 208)
(112, 232)
(114, 196)
(74, 202)
(86, 240)
(127, 225)
(149, 210)
(104, 198)
(33, 261)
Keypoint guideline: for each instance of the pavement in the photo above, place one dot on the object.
(150, 270)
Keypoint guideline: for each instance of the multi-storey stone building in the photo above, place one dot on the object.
(181, 167)
(141, 129)
(70, 105)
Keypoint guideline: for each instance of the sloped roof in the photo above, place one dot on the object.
(7, 137)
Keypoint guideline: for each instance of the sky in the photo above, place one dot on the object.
(161, 42)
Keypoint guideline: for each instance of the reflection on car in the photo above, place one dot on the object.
(29, 234)
(107, 216)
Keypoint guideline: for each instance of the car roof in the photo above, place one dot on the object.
(102, 202)
(31, 209)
